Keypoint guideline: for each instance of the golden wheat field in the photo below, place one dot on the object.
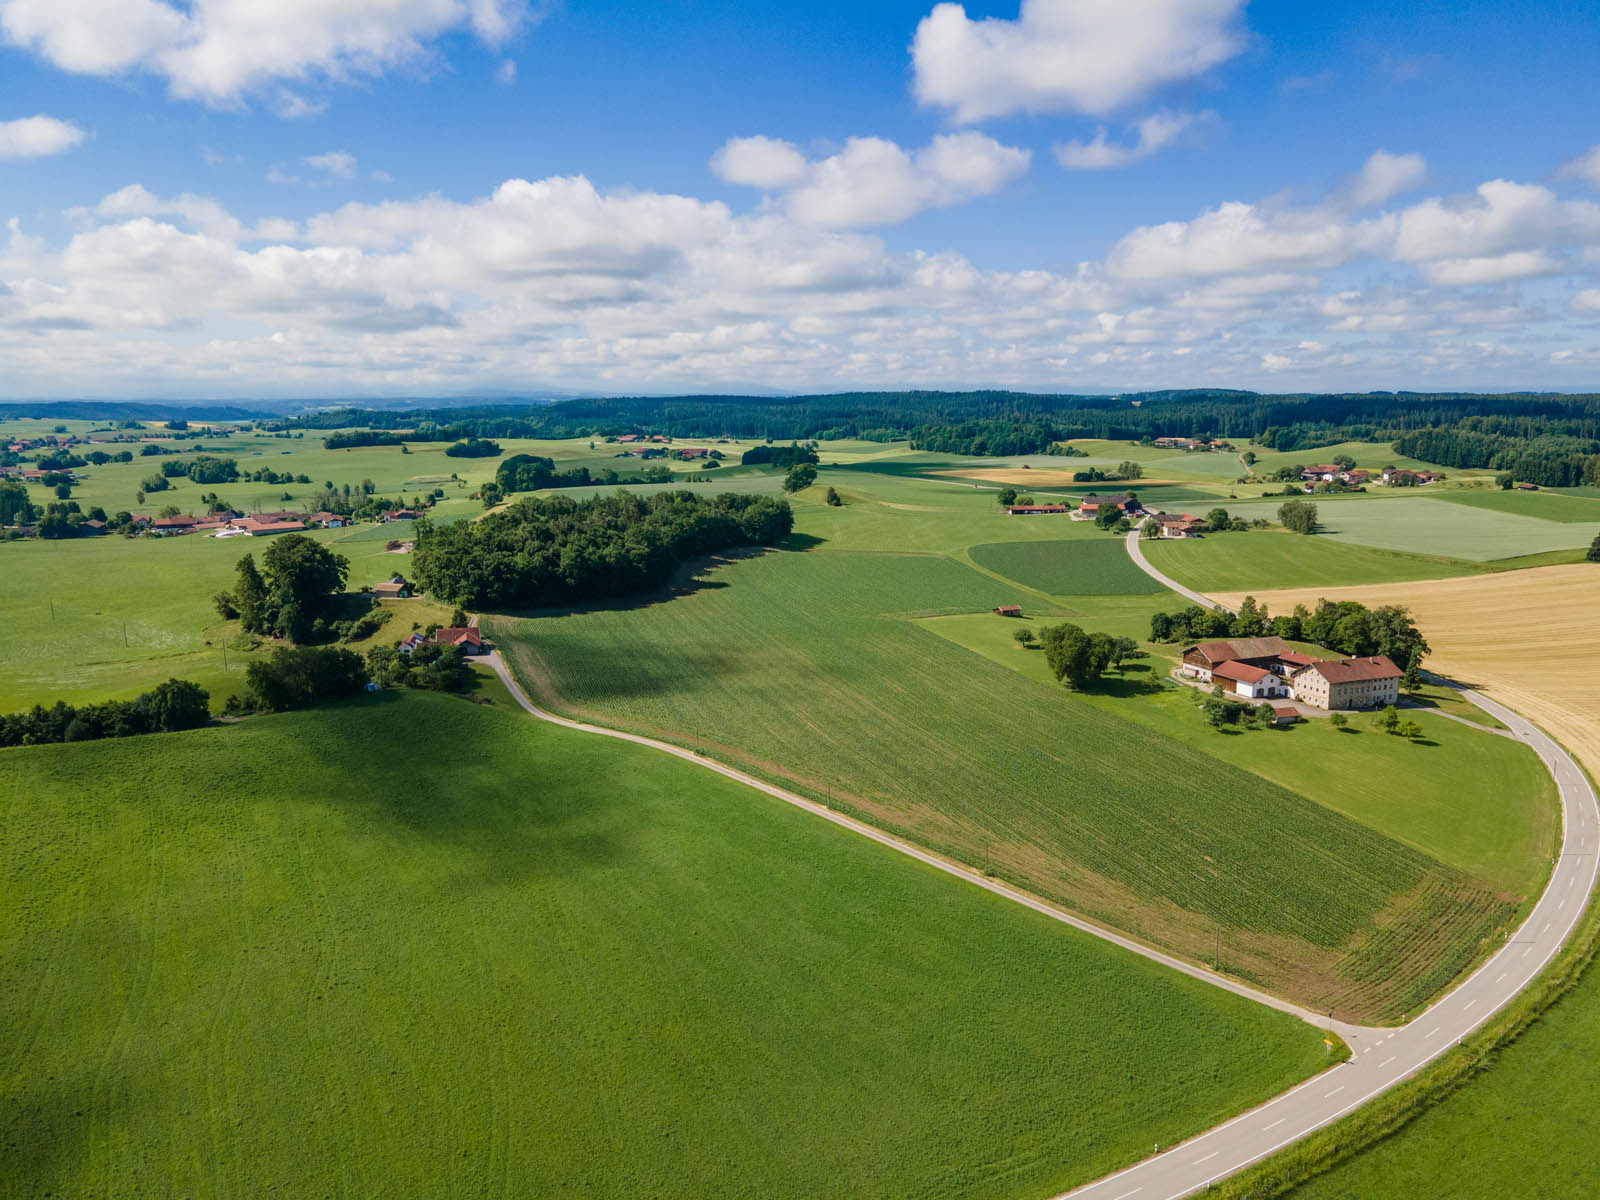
(1530, 639)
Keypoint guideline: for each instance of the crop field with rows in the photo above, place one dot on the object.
(804, 667)
(1077, 567)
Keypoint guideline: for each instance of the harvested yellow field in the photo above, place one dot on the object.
(1530, 639)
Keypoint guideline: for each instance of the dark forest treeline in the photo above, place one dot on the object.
(1549, 460)
(883, 416)
(1544, 438)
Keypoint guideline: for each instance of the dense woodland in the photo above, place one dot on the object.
(545, 551)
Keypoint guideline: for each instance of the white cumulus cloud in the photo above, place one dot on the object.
(1088, 56)
(1384, 176)
(1584, 166)
(871, 181)
(221, 50)
(1153, 133)
(37, 137)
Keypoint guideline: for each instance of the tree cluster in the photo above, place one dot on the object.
(293, 595)
(471, 447)
(784, 458)
(430, 667)
(1299, 516)
(533, 473)
(1345, 626)
(1079, 658)
(170, 706)
(299, 677)
(553, 550)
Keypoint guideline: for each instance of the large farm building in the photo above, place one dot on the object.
(1268, 668)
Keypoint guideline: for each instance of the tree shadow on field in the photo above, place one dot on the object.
(510, 824)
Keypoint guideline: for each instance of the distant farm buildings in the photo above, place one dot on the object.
(1090, 507)
(1033, 510)
(1180, 525)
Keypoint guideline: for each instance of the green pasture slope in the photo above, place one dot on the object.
(410, 946)
(1525, 1128)
(806, 668)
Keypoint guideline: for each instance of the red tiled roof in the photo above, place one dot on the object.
(1285, 710)
(1243, 672)
(1295, 658)
(456, 634)
(1261, 647)
(1356, 670)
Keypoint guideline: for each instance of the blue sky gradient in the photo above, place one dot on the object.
(988, 264)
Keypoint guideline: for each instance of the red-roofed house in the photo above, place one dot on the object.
(1253, 683)
(1349, 682)
(1180, 525)
(169, 526)
(465, 636)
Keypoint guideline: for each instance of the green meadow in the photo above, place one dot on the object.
(1262, 558)
(1477, 802)
(1059, 568)
(807, 667)
(1579, 506)
(115, 616)
(414, 946)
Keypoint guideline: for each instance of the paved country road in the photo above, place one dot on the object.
(1382, 1057)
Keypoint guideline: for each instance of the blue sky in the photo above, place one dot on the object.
(329, 197)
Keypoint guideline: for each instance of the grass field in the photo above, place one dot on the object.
(411, 946)
(803, 667)
(1100, 567)
(110, 617)
(1524, 1128)
(1420, 525)
(1571, 505)
(1229, 562)
(1481, 803)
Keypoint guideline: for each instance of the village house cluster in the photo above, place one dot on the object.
(1267, 668)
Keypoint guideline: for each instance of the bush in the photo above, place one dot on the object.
(1298, 515)
(800, 477)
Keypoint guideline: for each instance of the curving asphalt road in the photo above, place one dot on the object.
(1381, 1057)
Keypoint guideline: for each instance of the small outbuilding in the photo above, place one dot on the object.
(1285, 714)
(1008, 610)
